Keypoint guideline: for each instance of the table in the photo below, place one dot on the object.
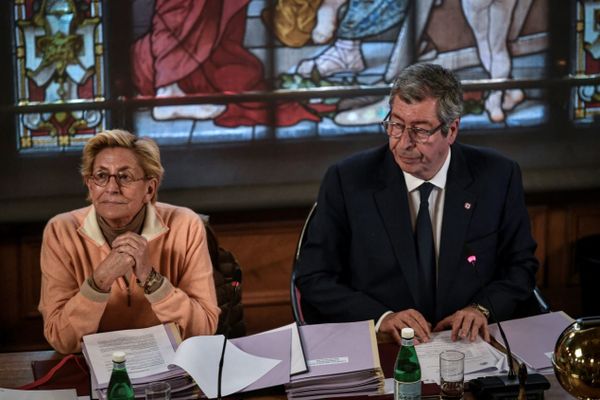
(15, 368)
(15, 371)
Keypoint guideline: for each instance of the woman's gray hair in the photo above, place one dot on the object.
(418, 82)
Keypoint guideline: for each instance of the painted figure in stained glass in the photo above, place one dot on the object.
(362, 35)
(59, 58)
(294, 21)
(361, 20)
(401, 55)
(197, 47)
(234, 46)
(490, 22)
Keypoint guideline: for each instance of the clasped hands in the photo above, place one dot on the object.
(129, 252)
(466, 323)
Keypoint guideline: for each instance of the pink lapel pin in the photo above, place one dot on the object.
(467, 206)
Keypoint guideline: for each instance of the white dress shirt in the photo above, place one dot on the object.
(436, 200)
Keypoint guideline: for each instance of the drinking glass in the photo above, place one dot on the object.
(452, 374)
(158, 391)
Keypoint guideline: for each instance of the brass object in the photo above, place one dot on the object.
(576, 358)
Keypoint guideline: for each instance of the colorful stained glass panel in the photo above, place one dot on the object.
(586, 99)
(259, 45)
(60, 59)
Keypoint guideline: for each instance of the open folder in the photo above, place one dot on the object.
(158, 354)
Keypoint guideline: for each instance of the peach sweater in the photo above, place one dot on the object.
(72, 247)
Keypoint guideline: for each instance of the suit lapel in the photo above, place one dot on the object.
(392, 203)
(458, 209)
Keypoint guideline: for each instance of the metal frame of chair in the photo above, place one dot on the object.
(295, 296)
(544, 307)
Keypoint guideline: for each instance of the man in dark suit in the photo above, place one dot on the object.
(362, 258)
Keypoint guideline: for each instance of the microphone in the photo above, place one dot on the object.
(236, 283)
(493, 387)
(472, 259)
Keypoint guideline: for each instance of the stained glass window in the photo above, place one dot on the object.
(586, 99)
(59, 59)
(184, 47)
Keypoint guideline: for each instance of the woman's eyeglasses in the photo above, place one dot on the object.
(123, 178)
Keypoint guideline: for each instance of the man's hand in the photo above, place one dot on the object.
(465, 323)
(392, 324)
(136, 247)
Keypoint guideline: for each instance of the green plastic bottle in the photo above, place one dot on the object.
(407, 372)
(119, 386)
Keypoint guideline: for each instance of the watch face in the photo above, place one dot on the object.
(151, 282)
(484, 311)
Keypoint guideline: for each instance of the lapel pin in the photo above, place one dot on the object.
(467, 206)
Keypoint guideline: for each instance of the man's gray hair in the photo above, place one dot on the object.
(418, 82)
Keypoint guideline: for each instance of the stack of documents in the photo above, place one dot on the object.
(532, 339)
(149, 352)
(481, 358)
(342, 360)
(191, 367)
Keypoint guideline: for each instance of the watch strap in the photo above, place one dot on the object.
(481, 309)
(152, 282)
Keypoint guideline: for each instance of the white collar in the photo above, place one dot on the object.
(438, 180)
(153, 225)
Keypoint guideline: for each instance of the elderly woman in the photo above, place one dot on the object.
(126, 261)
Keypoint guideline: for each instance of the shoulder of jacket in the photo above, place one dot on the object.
(172, 214)
(73, 217)
(364, 158)
(483, 153)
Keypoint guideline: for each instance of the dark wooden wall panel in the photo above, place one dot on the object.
(29, 276)
(9, 284)
(539, 223)
(265, 251)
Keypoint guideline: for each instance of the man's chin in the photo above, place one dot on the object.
(412, 166)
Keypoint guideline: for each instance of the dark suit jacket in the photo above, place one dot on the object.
(359, 259)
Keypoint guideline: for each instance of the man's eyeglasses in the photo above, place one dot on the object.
(123, 178)
(417, 135)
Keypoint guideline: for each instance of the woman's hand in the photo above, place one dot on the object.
(116, 264)
(136, 247)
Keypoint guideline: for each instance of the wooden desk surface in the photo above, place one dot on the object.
(15, 371)
(15, 368)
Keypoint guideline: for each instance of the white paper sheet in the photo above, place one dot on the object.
(298, 362)
(147, 354)
(199, 356)
(60, 394)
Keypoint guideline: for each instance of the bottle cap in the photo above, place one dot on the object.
(118, 356)
(408, 333)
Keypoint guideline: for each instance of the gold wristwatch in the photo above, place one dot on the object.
(152, 282)
(482, 310)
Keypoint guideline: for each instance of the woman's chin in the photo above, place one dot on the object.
(115, 218)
